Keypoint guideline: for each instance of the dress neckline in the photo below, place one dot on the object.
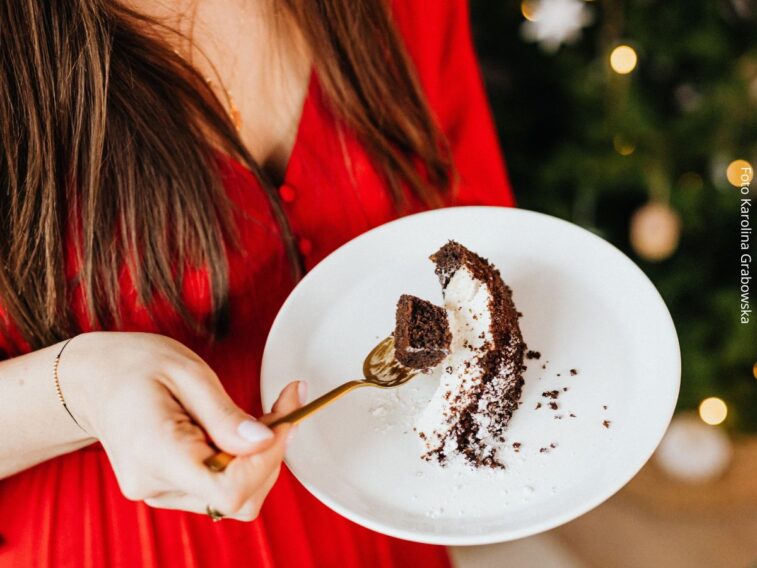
(304, 116)
(305, 112)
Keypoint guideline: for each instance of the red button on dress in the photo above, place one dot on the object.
(69, 511)
(287, 193)
(305, 246)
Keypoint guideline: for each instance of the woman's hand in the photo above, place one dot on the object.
(150, 401)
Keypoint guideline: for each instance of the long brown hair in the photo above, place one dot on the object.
(107, 133)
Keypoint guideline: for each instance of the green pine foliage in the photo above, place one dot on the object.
(688, 109)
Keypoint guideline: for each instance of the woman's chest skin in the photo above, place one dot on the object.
(255, 60)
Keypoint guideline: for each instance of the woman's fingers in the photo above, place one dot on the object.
(268, 484)
(200, 392)
(192, 504)
(237, 492)
(291, 398)
(240, 489)
(229, 490)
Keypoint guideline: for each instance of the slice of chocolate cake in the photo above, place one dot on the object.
(482, 380)
(421, 336)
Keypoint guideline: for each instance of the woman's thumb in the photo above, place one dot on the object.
(231, 429)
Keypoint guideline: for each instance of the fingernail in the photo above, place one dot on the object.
(254, 431)
(302, 391)
(292, 432)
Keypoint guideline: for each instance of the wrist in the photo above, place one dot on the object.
(74, 382)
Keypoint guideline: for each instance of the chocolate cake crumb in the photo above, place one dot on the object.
(606, 423)
(565, 389)
(553, 445)
(543, 450)
(573, 372)
(558, 374)
(551, 394)
(604, 406)
(538, 406)
(572, 415)
(558, 417)
(531, 354)
(516, 447)
(544, 366)
(553, 405)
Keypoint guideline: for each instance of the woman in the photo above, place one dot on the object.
(168, 172)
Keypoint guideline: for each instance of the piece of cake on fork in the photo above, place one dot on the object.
(421, 335)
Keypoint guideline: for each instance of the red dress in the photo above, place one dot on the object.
(69, 511)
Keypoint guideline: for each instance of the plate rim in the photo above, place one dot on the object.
(508, 534)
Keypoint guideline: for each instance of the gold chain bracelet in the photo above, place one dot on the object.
(57, 383)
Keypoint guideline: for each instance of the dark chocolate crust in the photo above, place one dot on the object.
(501, 362)
(421, 334)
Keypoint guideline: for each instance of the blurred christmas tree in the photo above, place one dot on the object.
(624, 117)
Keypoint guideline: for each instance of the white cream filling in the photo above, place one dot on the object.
(466, 300)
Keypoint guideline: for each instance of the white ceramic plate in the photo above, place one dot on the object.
(586, 306)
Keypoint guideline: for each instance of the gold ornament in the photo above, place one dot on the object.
(655, 231)
(692, 451)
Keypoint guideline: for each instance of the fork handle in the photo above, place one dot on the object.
(219, 460)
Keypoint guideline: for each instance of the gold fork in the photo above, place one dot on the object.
(380, 369)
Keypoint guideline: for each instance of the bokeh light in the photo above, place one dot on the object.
(623, 146)
(739, 172)
(713, 410)
(529, 8)
(623, 59)
(691, 181)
